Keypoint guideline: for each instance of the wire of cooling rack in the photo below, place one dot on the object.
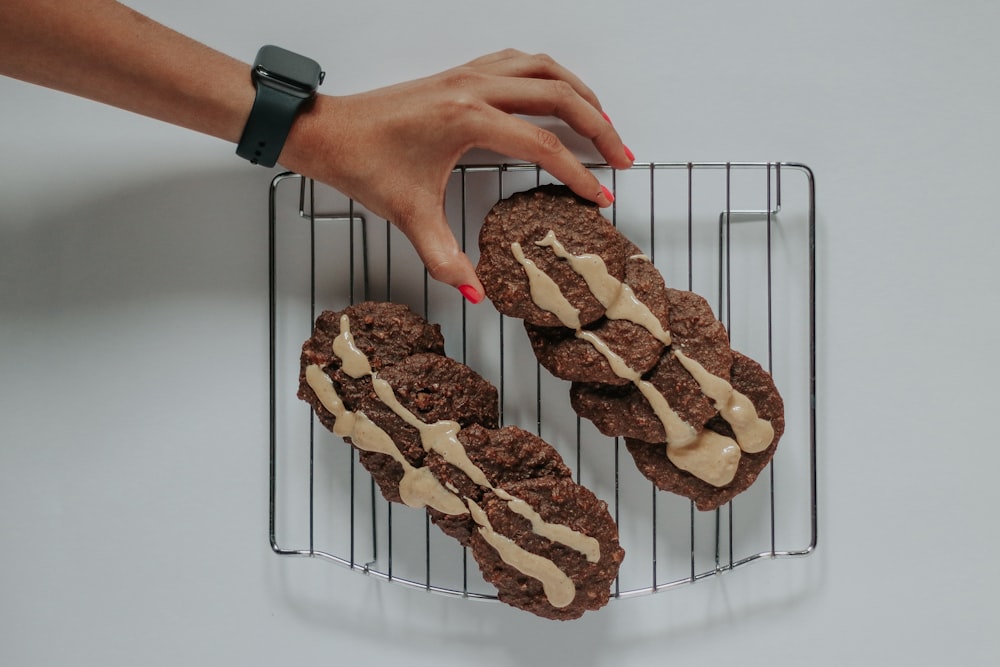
(758, 263)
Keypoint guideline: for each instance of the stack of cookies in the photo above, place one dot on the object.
(646, 362)
(426, 428)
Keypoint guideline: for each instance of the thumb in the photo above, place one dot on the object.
(439, 251)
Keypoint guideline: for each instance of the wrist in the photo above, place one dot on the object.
(311, 135)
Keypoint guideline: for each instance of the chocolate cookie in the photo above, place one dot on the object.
(430, 424)
(385, 332)
(557, 500)
(526, 218)
(756, 384)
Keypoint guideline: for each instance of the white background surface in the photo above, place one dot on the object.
(133, 345)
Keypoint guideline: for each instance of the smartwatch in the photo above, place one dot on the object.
(285, 81)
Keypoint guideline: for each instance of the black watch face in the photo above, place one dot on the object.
(288, 69)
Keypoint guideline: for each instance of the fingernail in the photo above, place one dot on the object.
(607, 193)
(607, 118)
(470, 293)
(629, 154)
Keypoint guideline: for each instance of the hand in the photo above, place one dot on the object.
(394, 149)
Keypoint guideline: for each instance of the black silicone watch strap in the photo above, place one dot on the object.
(268, 126)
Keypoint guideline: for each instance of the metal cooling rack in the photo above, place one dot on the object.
(740, 234)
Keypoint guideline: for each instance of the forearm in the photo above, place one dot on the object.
(104, 51)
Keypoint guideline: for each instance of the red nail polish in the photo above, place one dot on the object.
(607, 193)
(629, 154)
(470, 293)
(605, 116)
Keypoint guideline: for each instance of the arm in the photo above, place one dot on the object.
(104, 51)
(391, 149)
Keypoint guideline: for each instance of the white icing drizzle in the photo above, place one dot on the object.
(545, 292)
(441, 437)
(710, 457)
(618, 365)
(605, 287)
(353, 361)
(419, 488)
(618, 299)
(752, 433)
(559, 588)
(556, 532)
(678, 432)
